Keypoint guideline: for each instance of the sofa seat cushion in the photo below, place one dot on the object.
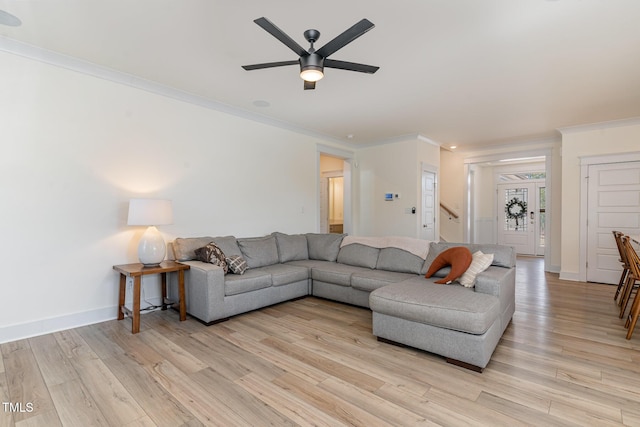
(335, 273)
(445, 306)
(374, 279)
(282, 274)
(251, 280)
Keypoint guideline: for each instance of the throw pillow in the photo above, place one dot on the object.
(458, 257)
(237, 264)
(479, 264)
(213, 255)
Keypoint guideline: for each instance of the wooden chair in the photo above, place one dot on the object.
(630, 282)
(633, 278)
(617, 235)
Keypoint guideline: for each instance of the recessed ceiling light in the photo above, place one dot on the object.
(453, 147)
(350, 136)
(261, 103)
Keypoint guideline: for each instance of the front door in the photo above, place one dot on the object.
(613, 204)
(517, 207)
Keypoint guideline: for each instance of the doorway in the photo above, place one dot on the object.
(334, 194)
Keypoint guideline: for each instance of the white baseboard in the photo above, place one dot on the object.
(553, 269)
(575, 277)
(61, 323)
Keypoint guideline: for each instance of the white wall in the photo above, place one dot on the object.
(74, 149)
(392, 168)
(603, 139)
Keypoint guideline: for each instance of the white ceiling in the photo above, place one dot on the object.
(456, 71)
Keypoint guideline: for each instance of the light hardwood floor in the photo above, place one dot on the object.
(564, 360)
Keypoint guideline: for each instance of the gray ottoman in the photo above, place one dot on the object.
(449, 320)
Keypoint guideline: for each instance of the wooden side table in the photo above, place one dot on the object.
(137, 271)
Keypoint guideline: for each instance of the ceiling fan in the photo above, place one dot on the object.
(312, 62)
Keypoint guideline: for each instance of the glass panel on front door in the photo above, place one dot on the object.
(515, 209)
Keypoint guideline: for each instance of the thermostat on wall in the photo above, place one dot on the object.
(388, 197)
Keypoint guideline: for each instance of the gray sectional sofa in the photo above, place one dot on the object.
(463, 324)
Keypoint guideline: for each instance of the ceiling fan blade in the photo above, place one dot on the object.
(309, 85)
(351, 66)
(276, 32)
(345, 38)
(269, 65)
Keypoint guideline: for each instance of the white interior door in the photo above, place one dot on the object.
(428, 231)
(613, 204)
(517, 208)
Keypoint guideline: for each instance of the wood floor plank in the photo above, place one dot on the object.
(373, 404)
(54, 365)
(328, 402)
(194, 397)
(25, 383)
(162, 408)
(288, 403)
(323, 363)
(75, 405)
(107, 391)
(252, 410)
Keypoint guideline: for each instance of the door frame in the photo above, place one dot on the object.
(347, 157)
(468, 199)
(585, 162)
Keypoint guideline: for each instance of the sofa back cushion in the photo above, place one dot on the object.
(291, 247)
(259, 251)
(324, 247)
(228, 245)
(184, 247)
(399, 260)
(358, 255)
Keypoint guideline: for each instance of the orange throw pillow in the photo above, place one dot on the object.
(458, 257)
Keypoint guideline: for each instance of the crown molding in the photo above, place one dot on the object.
(35, 53)
(631, 121)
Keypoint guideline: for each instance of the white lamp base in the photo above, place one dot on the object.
(151, 249)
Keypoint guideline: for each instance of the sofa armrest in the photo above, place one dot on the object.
(500, 282)
(496, 281)
(204, 289)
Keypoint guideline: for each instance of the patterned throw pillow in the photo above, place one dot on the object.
(237, 264)
(213, 255)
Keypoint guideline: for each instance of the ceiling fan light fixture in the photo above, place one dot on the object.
(311, 67)
(311, 73)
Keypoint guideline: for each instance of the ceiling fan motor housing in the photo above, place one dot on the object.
(312, 61)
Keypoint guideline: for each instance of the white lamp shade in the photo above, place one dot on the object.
(150, 212)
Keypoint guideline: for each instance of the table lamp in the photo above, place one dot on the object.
(150, 212)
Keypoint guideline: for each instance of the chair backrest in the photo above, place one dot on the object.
(632, 257)
(617, 235)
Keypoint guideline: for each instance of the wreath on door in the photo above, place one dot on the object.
(516, 209)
